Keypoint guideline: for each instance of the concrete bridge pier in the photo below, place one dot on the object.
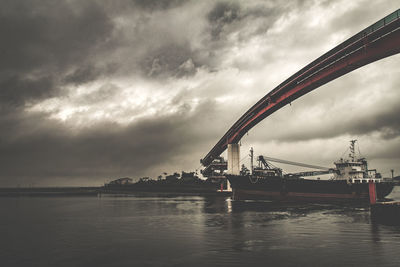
(233, 161)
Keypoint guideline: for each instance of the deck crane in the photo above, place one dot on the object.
(321, 170)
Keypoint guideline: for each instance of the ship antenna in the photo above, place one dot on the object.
(251, 160)
(352, 152)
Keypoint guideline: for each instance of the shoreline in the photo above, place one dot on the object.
(102, 191)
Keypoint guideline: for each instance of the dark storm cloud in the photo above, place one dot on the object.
(170, 60)
(44, 34)
(16, 90)
(152, 5)
(47, 149)
(82, 75)
(386, 124)
(43, 44)
(224, 13)
(233, 24)
(233, 16)
(162, 48)
(42, 40)
(88, 73)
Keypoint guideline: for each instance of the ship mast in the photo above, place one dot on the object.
(352, 150)
(251, 160)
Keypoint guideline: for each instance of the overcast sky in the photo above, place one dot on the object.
(96, 90)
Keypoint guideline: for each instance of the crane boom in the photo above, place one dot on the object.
(293, 163)
(312, 173)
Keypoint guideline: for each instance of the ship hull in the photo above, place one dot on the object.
(306, 190)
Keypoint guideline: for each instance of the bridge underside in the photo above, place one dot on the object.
(378, 41)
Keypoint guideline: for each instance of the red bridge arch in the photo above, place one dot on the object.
(380, 40)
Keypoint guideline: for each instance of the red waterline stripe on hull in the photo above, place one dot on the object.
(301, 195)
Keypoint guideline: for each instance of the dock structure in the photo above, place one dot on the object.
(387, 212)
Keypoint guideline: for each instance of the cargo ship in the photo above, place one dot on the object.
(349, 183)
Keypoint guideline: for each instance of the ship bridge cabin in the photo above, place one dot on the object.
(356, 171)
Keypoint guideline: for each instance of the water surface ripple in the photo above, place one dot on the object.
(190, 231)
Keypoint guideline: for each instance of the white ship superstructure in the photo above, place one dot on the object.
(354, 169)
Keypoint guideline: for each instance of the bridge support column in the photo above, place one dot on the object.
(233, 161)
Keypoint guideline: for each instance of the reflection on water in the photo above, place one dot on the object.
(190, 231)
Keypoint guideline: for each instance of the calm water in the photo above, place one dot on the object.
(190, 231)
